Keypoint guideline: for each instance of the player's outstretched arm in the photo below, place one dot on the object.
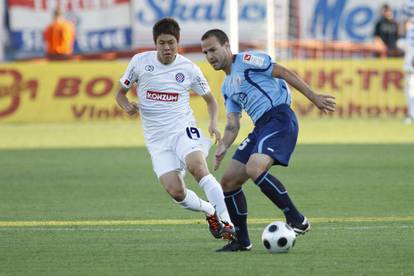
(213, 114)
(129, 107)
(326, 103)
(230, 134)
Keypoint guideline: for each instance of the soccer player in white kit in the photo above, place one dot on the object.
(164, 79)
(409, 61)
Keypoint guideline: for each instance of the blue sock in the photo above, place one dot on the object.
(276, 192)
(237, 206)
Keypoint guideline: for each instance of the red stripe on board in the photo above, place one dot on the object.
(121, 1)
(24, 3)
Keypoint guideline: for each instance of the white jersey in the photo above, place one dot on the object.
(164, 92)
(409, 40)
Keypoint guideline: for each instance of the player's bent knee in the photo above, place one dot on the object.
(198, 171)
(258, 163)
(254, 170)
(229, 184)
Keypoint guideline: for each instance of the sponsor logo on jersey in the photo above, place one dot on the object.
(149, 68)
(254, 60)
(179, 77)
(162, 96)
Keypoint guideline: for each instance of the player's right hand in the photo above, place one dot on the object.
(220, 153)
(131, 108)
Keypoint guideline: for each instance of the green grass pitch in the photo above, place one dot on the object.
(83, 200)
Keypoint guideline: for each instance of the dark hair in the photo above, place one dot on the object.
(57, 13)
(386, 7)
(219, 34)
(166, 25)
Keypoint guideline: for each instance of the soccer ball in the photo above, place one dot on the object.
(278, 237)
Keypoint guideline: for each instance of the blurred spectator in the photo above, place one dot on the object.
(2, 29)
(409, 60)
(59, 37)
(386, 32)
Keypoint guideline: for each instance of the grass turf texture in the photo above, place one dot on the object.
(129, 134)
(100, 211)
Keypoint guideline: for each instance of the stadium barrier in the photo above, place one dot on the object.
(289, 49)
(84, 91)
(317, 49)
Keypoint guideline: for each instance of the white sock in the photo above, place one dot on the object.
(194, 203)
(215, 195)
(409, 94)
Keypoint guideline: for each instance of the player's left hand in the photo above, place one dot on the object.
(213, 130)
(326, 103)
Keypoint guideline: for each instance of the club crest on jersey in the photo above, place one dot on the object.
(162, 96)
(254, 60)
(149, 68)
(179, 77)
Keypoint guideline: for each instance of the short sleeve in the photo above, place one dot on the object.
(130, 76)
(199, 83)
(231, 106)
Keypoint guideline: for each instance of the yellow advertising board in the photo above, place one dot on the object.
(59, 91)
(74, 91)
(84, 91)
(362, 87)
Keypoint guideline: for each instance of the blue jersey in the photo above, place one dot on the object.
(250, 85)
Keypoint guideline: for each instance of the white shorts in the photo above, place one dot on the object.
(169, 154)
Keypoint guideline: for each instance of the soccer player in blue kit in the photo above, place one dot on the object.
(259, 86)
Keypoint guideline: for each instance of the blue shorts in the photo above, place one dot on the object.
(275, 134)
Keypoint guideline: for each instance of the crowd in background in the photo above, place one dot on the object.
(388, 33)
(59, 37)
(390, 36)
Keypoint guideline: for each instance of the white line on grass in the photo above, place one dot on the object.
(45, 223)
(100, 229)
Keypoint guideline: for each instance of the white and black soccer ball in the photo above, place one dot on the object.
(278, 237)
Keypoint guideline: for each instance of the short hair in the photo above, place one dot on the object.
(58, 12)
(386, 7)
(166, 25)
(219, 34)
